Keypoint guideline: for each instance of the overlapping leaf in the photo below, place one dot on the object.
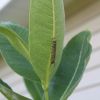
(9, 94)
(34, 89)
(74, 60)
(15, 40)
(12, 57)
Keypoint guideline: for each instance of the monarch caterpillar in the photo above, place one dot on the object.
(53, 51)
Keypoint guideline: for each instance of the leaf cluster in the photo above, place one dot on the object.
(49, 71)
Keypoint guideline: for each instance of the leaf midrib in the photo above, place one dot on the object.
(54, 17)
(63, 97)
(53, 36)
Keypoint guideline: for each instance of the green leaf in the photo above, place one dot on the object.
(13, 58)
(74, 60)
(15, 40)
(46, 36)
(9, 94)
(35, 89)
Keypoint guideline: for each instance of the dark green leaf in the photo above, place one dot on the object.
(9, 94)
(15, 40)
(74, 60)
(35, 89)
(13, 58)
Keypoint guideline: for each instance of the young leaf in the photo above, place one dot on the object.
(9, 94)
(15, 40)
(74, 60)
(34, 89)
(13, 58)
(46, 27)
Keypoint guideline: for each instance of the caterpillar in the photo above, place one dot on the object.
(53, 51)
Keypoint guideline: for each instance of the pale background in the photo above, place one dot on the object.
(85, 15)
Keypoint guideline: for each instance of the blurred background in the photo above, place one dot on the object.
(80, 15)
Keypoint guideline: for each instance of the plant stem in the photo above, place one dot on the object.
(46, 94)
(45, 88)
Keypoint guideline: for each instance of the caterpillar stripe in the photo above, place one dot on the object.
(53, 51)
